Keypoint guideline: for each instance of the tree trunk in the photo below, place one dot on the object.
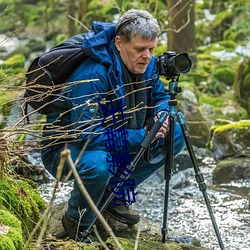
(181, 27)
(71, 6)
(83, 7)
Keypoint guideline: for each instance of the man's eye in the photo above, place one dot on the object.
(139, 50)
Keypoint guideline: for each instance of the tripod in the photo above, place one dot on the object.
(173, 90)
(173, 114)
(144, 145)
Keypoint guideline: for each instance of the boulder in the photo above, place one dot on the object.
(231, 139)
(231, 169)
(230, 143)
(197, 125)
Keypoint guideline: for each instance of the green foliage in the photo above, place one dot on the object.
(229, 23)
(224, 75)
(219, 102)
(242, 84)
(214, 101)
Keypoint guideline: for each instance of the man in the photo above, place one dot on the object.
(124, 91)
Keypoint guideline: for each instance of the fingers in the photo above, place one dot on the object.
(163, 130)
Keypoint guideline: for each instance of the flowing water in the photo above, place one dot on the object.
(187, 212)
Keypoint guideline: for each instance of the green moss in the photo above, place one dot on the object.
(16, 237)
(212, 100)
(16, 61)
(13, 71)
(235, 125)
(128, 244)
(9, 219)
(21, 199)
(239, 128)
(225, 75)
(228, 45)
(13, 239)
(6, 243)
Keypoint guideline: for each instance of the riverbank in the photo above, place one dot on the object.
(188, 216)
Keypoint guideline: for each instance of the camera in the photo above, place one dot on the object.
(171, 65)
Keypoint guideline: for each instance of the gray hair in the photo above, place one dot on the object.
(137, 22)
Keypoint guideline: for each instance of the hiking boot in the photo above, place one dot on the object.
(123, 213)
(75, 231)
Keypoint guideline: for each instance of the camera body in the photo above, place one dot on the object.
(171, 65)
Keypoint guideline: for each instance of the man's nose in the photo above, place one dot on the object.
(146, 54)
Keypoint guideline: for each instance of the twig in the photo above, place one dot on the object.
(137, 236)
(45, 217)
(77, 21)
(66, 154)
(99, 238)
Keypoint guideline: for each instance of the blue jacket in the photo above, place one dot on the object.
(103, 69)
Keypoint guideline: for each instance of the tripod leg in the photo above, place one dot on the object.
(199, 176)
(168, 172)
(144, 145)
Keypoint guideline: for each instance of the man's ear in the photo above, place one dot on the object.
(118, 43)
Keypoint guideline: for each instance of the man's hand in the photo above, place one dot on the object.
(163, 129)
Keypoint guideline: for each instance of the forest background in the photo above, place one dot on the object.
(214, 33)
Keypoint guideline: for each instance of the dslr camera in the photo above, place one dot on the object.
(171, 65)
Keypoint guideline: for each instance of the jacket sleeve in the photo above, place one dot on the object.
(86, 114)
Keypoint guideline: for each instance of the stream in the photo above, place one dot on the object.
(187, 212)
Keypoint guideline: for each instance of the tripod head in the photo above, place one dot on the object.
(174, 89)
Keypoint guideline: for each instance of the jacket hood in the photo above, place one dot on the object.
(98, 43)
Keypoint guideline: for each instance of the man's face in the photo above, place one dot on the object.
(137, 53)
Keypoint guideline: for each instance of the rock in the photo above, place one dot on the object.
(149, 238)
(197, 125)
(232, 139)
(231, 169)
(181, 179)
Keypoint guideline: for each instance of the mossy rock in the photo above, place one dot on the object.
(127, 244)
(232, 139)
(11, 237)
(21, 199)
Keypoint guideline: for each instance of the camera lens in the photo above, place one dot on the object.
(182, 63)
